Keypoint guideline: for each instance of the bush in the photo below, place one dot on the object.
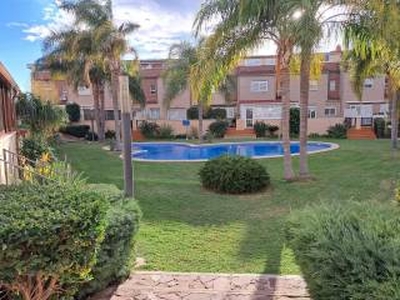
(50, 234)
(34, 147)
(218, 128)
(260, 129)
(380, 128)
(217, 113)
(116, 256)
(166, 132)
(79, 131)
(272, 129)
(294, 122)
(234, 175)
(74, 112)
(338, 131)
(110, 135)
(348, 252)
(192, 113)
(91, 136)
(149, 129)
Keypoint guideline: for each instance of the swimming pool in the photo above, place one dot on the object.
(170, 151)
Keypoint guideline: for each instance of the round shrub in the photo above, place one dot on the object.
(338, 131)
(218, 113)
(218, 128)
(348, 252)
(234, 175)
(74, 112)
(110, 135)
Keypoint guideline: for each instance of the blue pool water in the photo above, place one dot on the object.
(188, 152)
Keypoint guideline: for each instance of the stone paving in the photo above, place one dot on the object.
(199, 286)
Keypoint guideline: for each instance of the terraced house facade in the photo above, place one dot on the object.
(332, 99)
(8, 132)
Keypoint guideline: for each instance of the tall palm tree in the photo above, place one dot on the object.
(75, 55)
(98, 17)
(373, 51)
(245, 25)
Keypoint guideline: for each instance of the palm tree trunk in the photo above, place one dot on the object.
(114, 88)
(95, 88)
(394, 120)
(102, 116)
(288, 173)
(201, 135)
(304, 93)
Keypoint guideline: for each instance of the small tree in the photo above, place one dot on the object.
(74, 112)
(294, 121)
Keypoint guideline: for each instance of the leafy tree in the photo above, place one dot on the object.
(74, 112)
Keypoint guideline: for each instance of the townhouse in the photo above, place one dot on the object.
(331, 101)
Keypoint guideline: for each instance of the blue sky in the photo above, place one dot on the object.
(25, 23)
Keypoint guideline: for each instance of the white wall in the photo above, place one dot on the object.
(9, 142)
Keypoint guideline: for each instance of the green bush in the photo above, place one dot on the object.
(192, 113)
(110, 135)
(116, 256)
(50, 234)
(348, 252)
(338, 131)
(260, 129)
(34, 147)
(74, 112)
(234, 175)
(79, 131)
(218, 128)
(294, 122)
(380, 128)
(166, 132)
(217, 113)
(149, 129)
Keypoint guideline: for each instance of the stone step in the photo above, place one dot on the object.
(202, 286)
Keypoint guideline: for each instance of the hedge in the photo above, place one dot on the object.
(116, 256)
(79, 131)
(348, 252)
(50, 234)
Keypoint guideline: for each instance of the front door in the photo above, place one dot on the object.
(249, 118)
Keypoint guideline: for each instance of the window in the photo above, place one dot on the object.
(270, 61)
(368, 83)
(330, 112)
(312, 113)
(252, 62)
(313, 85)
(332, 85)
(153, 114)
(177, 114)
(153, 89)
(258, 86)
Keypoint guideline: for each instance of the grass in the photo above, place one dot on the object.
(186, 228)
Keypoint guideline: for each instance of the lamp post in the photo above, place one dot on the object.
(125, 104)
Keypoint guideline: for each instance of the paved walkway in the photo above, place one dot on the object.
(199, 286)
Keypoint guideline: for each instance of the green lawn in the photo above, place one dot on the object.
(186, 228)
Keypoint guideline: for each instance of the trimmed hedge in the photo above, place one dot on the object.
(50, 234)
(117, 255)
(218, 128)
(234, 175)
(348, 252)
(79, 131)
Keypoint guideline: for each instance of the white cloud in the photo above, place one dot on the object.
(17, 24)
(161, 23)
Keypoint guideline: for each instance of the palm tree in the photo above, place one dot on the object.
(98, 17)
(245, 25)
(75, 55)
(373, 51)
